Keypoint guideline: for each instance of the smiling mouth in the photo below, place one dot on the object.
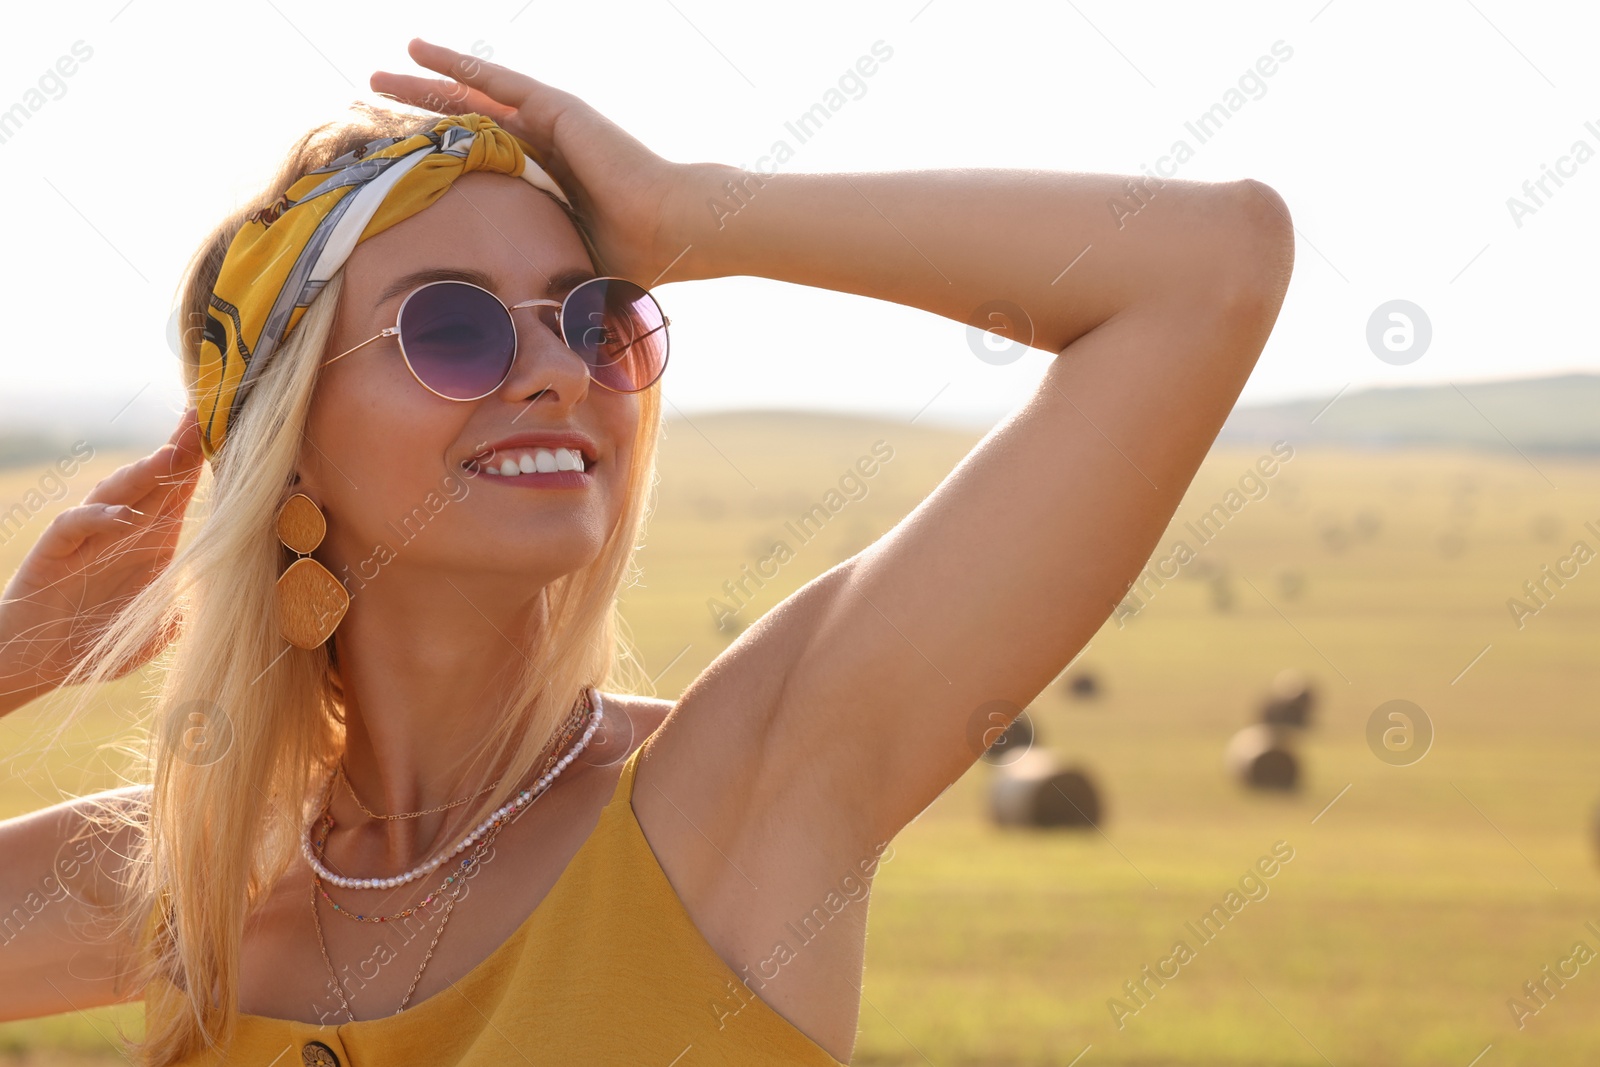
(519, 461)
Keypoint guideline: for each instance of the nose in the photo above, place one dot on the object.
(545, 368)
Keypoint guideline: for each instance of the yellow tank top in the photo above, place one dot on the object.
(609, 969)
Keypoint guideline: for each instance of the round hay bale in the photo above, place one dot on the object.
(1367, 523)
(1221, 593)
(1546, 527)
(1034, 792)
(1290, 700)
(1014, 741)
(1085, 685)
(1259, 757)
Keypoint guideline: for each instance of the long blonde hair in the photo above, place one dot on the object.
(220, 828)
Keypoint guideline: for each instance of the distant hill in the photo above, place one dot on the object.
(1536, 415)
(37, 427)
(1554, 414)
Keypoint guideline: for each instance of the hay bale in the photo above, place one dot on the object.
(1015, 740)
(1085, 685)
(1222, 597)
(1290, 701)
(1292, 584)
(1259, 757)
(1367, 524)
(1034, 792)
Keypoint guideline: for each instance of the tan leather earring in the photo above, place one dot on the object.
(311, 601)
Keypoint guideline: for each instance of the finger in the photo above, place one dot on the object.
(71, 528)
(177, 469)
(436, 94)
(188, 424)
(183, 464)
(131, 482)
(537, 105)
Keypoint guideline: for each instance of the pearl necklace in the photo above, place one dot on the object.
(574, 722)
(511, 807)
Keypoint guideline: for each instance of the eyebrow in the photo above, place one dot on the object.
(561, 282)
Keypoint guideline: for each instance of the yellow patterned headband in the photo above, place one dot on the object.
(281, 258)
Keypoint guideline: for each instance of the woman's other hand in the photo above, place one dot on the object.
(90, 561)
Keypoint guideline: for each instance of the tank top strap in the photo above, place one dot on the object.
(623, 794)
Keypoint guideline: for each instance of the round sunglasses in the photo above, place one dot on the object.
(459, 340)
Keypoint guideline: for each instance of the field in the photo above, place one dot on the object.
(1419, 898)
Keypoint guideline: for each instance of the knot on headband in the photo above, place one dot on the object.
(284, 254)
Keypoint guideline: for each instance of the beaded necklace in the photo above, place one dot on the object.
(328, 823)
(455, 895)
(499, 815)
(483, 836)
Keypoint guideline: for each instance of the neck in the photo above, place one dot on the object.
(425, 667)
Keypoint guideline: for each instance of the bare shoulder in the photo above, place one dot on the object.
(630, 721)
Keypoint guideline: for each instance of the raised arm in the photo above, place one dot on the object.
(853, 697)
(993, 583)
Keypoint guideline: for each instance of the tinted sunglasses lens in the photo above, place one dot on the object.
(619, 329)
(458, 339)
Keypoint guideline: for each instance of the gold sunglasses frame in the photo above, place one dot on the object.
(559, 305)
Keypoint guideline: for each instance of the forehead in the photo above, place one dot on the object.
(494, 224)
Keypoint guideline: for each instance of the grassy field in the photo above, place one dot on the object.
(1418, 899)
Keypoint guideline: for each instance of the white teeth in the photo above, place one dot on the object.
(529, 461)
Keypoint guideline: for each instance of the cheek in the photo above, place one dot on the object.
(378, 444)
(623, 429)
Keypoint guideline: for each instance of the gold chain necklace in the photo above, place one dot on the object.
(573, 719)
(472, 860)
(407, 814)
(573, 722)
(322, 943)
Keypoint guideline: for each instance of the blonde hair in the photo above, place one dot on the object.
(214, 835)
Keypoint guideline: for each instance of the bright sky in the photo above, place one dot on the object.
(1396, 133)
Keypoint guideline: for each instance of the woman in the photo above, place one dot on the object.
(339, 712)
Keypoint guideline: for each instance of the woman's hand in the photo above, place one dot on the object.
(636, 204)
(90, 561)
